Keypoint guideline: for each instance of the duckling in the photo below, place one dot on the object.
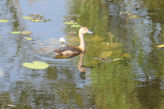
(61, 41)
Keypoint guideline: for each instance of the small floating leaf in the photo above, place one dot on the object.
(75, 26)
(133, 16)
(70, 23)
(3, 21)
(36, 20)
(26, 32)
(36, 65)
(126, 55)
(1, 37)
(27, 17)
(118, 59)
(21, 32)
(105, 54)
(28, 38)
(160, 46)
(11, 105)
(16, 32)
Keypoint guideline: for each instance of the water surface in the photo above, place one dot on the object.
(124, 65)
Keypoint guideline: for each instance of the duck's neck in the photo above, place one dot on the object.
(82, 44)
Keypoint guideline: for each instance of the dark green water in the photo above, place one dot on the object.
(124, 66)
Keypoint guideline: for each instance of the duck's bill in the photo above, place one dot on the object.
(90, 32)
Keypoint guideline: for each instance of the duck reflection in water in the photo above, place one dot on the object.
(81, 68)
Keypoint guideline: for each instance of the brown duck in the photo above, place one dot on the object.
(70, 51)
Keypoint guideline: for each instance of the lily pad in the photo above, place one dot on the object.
(118, 59)
(126, 55)
(3, 21)
(26, 32)
(36, 65)
(11, 105)
(36, 20)
(160, 46)
(28, 38)
(21, 32)
(16, 32)
(27, 17)
(106, 54)
(134, 16)
(75, 26)
(70, 23)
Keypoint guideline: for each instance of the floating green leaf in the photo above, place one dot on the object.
(1, 37)
(118, 59)
(28, 38)
(11, 105)
(134, 16)
(70, 23)
(36, 20)
(21, 32)
(26, 32)
(16, 32)
(106, 54)
(3, 21)
(126, 55)
(160, 46)
(36, 65)
(27, 17)
(75, 26)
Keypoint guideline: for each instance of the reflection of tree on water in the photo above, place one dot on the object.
(60, 87)
(149, 93)
(115, 84)
(139, 35)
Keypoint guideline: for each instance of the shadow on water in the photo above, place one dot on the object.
(127, 67)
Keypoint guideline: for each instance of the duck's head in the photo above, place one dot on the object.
(84, 30)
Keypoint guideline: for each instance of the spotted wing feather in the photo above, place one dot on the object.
(68, 51)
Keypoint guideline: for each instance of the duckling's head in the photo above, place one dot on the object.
(84, 30)
(62, 40)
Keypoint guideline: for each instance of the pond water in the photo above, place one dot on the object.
(122, 65)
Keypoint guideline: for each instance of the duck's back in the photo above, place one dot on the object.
(68, 51)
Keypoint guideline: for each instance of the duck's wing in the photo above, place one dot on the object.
(67, 50)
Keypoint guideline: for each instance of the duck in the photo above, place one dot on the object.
(70, 51)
